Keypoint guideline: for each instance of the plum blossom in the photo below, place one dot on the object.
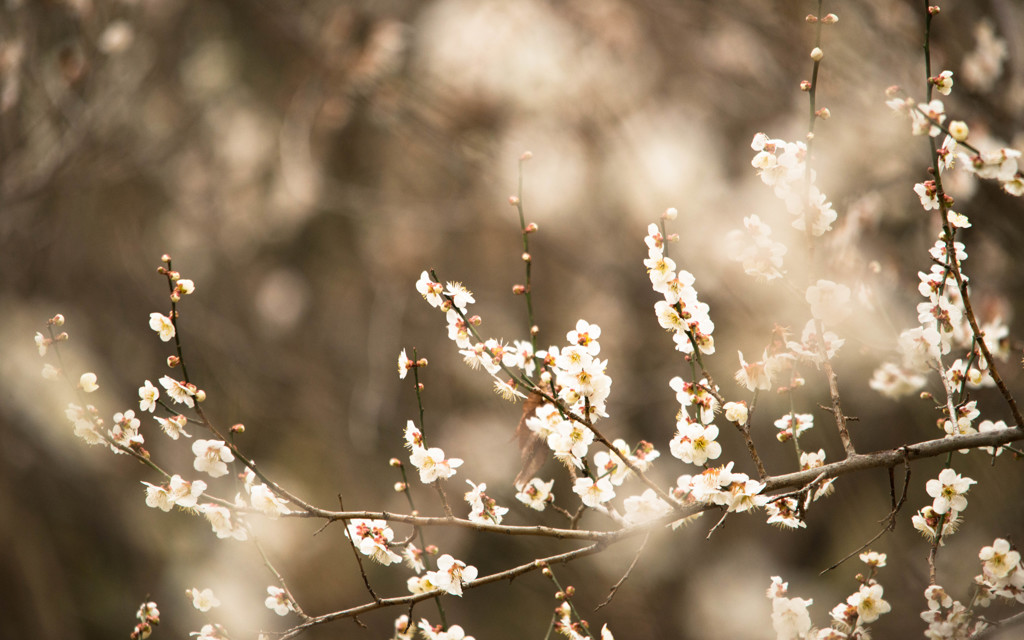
(536, 494)
(432, 464)
(203, 600)
(373, 539)
(162, 325)
(594, 493)
(212, 457)
(278, 600)
(949, 490)
(148, 395)
(830, 302)
(451, 575)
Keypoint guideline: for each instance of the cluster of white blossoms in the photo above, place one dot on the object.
(723, 487)
(941, 518)
(373, 539)
(483, 508)
(783, 167)
(943, 326)
(1001, 577)
(450, 576)
(680, 312)
(575, 629)
(694, 441)
(431, 463)
(754, 248)
(791, 619)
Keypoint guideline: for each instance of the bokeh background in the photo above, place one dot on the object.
(304, 161)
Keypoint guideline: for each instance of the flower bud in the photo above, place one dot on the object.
(830, 19)
(526, 155)
(431, 549)
(570, 591)
(817, 54)
(933, 10)
(395, 462)
(174, 276)
(173, 361)
(166, 259)
(400, 487)
(559, 595)
(518, 289)
(805, 85)
(57, 320)
(513, 200)
(534, 330)
(237, 428)
(200, 396)
(823, 113)
(475, 320)
(61, 337)
(531, 228)
(526, 257)
(670, 214)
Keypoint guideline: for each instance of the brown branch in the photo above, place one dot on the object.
(890, 520)
(410, 599)
(890, 457)
(359, 561)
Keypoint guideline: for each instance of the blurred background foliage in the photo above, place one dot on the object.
(304, 161)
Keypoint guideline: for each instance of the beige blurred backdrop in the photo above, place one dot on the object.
(304, 161)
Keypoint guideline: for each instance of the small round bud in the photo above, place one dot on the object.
(859, 577)
(830, 19)
(925, 395)
(518, 289)
(238, 427)
(559, 595)
(166, 258)
(476, 321)
(62, 337)
(540, 564)
(200, 396)
(422, 362)
(431, 549)
(395, 462)
(173, 361)
(805, 85)
(534, 330)
(670, 214)
(875, 266)
(892, 90)
(546, 571)
(174, 276)
(400, 487)
(513, 200)
(823, 113)
(809, 136)
(57, 320)
(811, 18)
(526, 257)
(817, 54)
(958, 129)
(526, 155)
(570, 591)
(934, 10)
(531, 228)
(420, 386)
(175, 296)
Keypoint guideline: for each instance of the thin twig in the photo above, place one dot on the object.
(359, 560)
(629, 570)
